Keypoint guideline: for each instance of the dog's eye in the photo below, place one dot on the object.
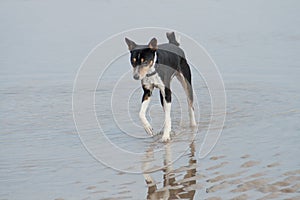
(134, 60)
(144, 61)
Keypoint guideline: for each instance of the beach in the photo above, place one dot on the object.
(255, 46)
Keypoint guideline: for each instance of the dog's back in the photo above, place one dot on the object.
(172, 46)
(170, 54)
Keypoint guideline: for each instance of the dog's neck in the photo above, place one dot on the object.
(152, 71)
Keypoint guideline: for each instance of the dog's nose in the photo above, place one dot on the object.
(136, 77)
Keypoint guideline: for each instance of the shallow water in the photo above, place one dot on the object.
(42, 156)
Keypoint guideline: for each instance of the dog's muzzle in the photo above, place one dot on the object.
(136, 74)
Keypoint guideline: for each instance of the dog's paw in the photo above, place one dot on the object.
(165, 138)
(149, 130)
(193, 124)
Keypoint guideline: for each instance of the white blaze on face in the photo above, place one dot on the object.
(135, 71)
(143, 70)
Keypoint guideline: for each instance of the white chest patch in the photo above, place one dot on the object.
(153, 81)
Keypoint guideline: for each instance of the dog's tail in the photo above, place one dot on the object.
(172, 39)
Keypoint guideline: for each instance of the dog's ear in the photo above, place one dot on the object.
(131, 44)
(153, 44)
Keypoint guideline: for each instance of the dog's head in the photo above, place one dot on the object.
(142, 57)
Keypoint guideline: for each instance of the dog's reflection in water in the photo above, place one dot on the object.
(172, 188)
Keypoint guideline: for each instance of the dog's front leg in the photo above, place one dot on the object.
(148, 128)
(167, 108)
(145, 103)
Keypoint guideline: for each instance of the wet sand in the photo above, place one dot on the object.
(256, 47)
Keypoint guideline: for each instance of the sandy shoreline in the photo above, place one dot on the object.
(255, 45)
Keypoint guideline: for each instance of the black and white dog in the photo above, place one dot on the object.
(156, 65)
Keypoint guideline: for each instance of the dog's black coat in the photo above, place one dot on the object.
(171, 62)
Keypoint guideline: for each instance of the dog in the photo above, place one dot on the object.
(156, 65)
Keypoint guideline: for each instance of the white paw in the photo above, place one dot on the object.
(193, 124)
(148, 128)
(166, 137)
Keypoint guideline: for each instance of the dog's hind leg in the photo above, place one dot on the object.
(145, 103)
(161, 99)
(167, 94)
(185, 79)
